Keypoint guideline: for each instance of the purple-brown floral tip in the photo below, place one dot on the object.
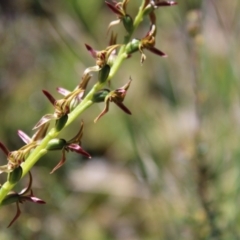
(115, 8)
(91, 50)
(118, 7)
(78, 149)
(159, 3)
(49, 96)
(4, 148)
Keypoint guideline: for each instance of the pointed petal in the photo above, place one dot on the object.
(113, 23)
(91, 50)
(123, 107)
(78, 136)
(113, 39)
(110, 49)
(160, 3)
(16, 216)
(24, 136)
(41, 132)
(44, 119)
(63, 91)
(49, 96)
(32, 198)
(114, 9)
(4, 148)
(84, 82)
(35, 200)
(146, 2)
(91, 69)
(124, 4)
(104, 111)
(28, 188)
(157, 51)
(78, 149)
(62, 161)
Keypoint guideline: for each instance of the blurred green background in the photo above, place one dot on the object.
(171, 170)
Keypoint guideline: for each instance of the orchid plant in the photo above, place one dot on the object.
(74, 103)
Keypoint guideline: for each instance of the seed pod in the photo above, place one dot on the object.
(133, 46)
(103, 73)
(56, 144)
(15, 175)
(128, 23)
(100, 96)
(60, 123)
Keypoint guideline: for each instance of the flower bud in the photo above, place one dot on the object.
(100, 96)
(15, 175)
(133, 46)
(56, 144)
(103, 73)
(60, 123)
(128, 23)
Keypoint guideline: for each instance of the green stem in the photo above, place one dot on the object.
(39, 151)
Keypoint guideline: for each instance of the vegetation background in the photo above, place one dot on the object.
(169, 171)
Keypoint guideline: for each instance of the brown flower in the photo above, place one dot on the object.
(65, 105)
(120, 9)
(25, 195)
(117, 96)
(73, 145)
(148, 42)
(102, 57)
